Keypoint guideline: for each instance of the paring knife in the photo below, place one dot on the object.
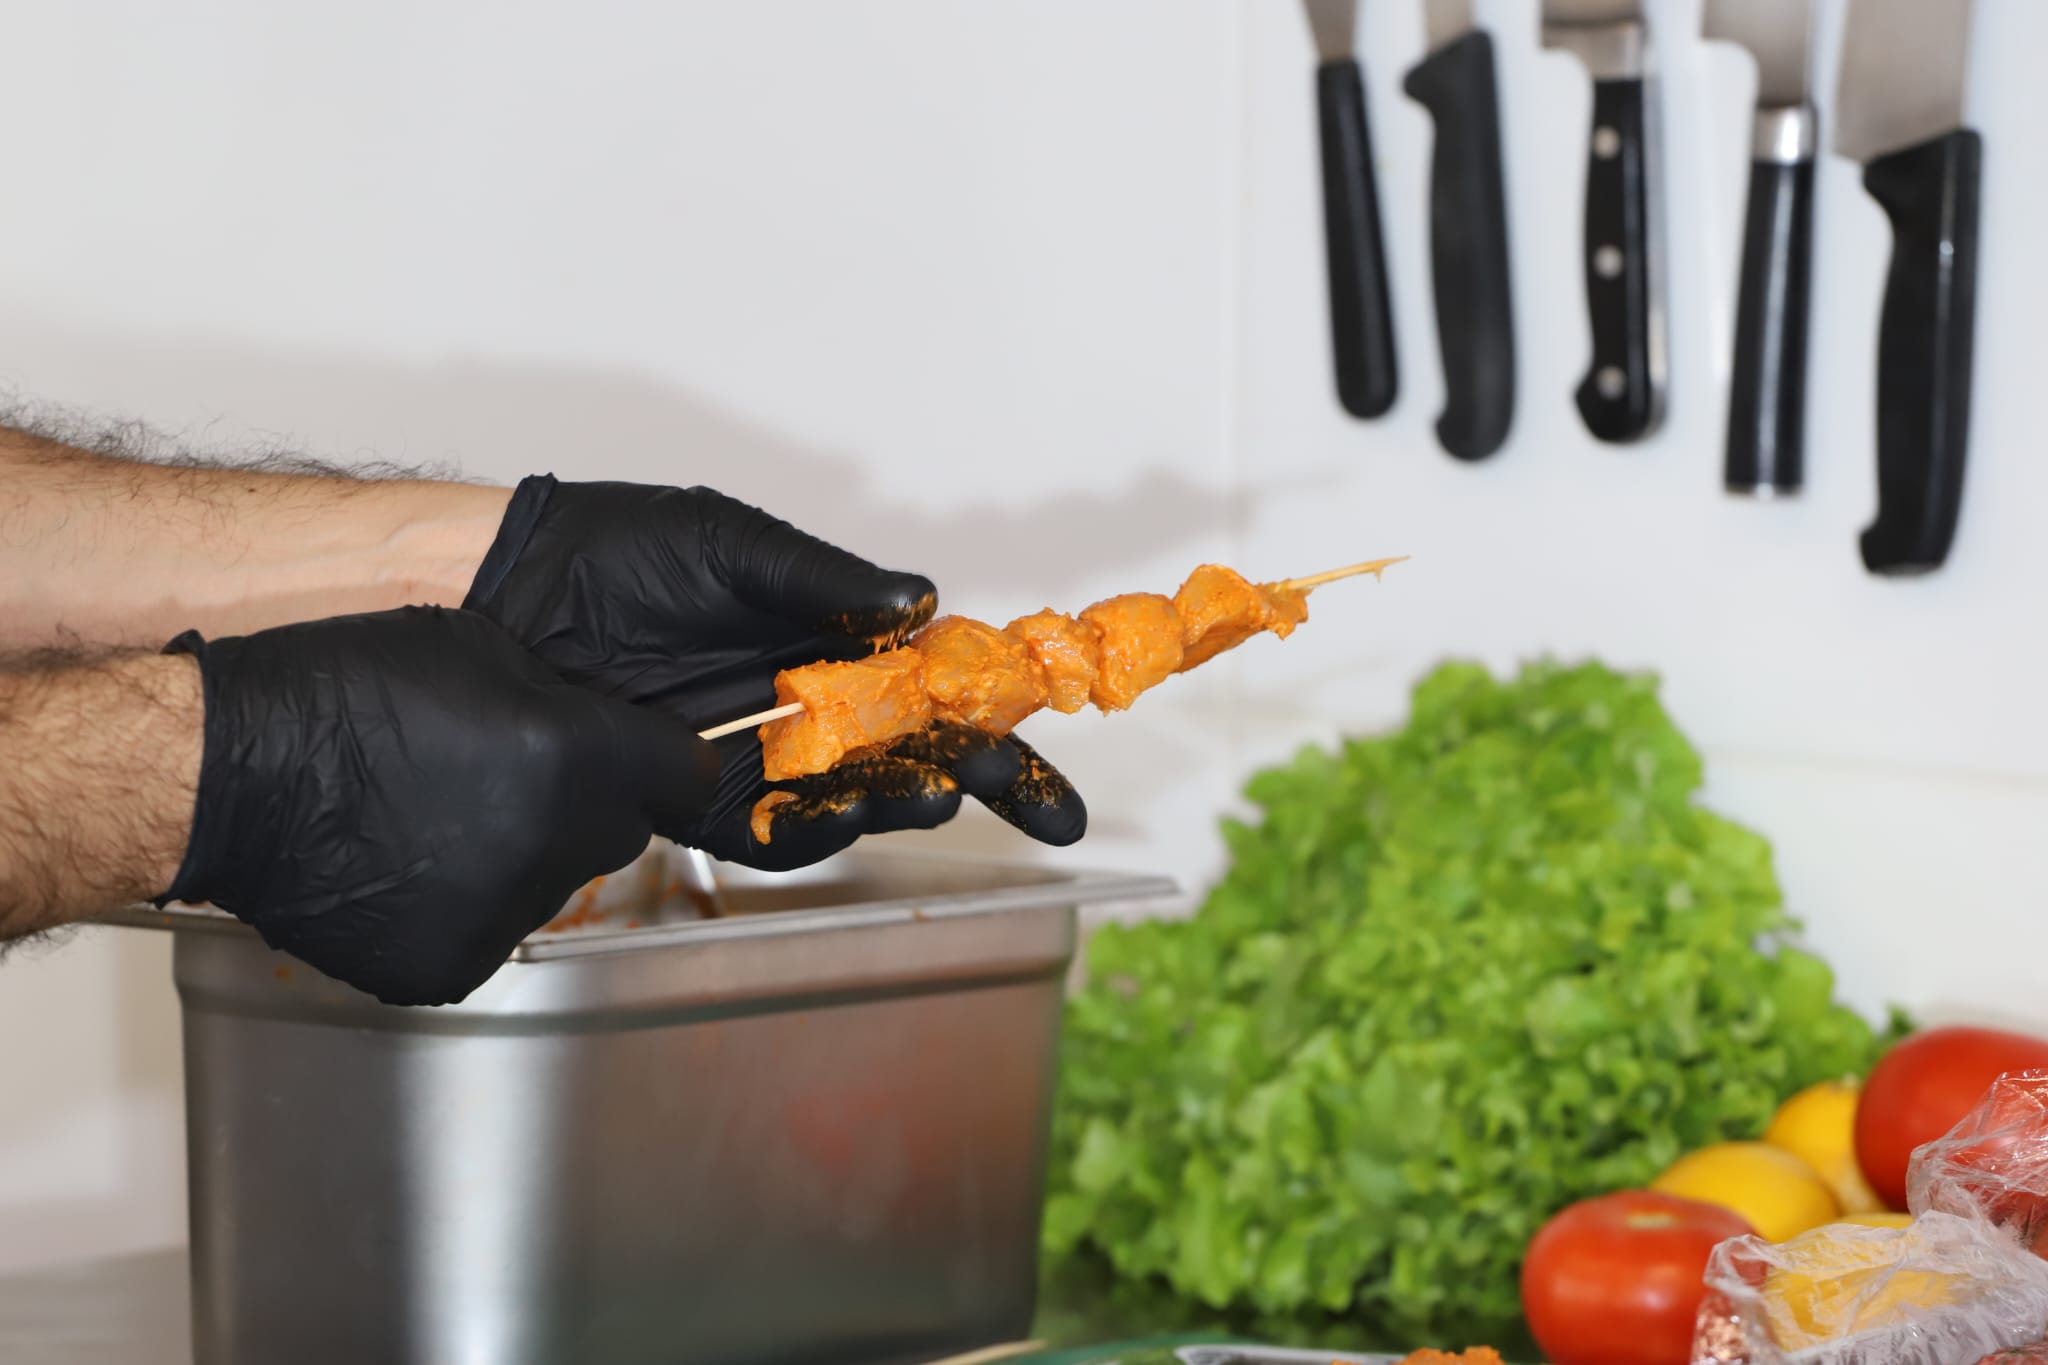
(1767, 391)
(1622, 398)
(1361, 316)
(1899, 110)
(1468, 231)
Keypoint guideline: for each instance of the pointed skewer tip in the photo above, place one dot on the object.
(1375, 567)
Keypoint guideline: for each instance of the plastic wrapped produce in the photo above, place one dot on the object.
(1994, 1163)
(1962, 1284)
(1948, 1290)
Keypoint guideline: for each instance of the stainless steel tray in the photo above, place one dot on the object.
(814, 1131)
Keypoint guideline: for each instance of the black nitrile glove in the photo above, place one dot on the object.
(398, 799)
(687, 600)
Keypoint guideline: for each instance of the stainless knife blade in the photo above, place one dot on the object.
(1607, 35)
(1904, 69)
(1779, 34)
(1446, 21)
(1335, 25)
(1591, 11)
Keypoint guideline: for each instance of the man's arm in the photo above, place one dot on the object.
(113, 550)
(99, 768)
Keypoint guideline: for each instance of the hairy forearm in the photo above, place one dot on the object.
(99, 767)
(106, 549)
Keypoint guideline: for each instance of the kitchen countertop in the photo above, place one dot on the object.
(133, 1310)
(127, 1310)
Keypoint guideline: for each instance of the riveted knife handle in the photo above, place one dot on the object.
(1361, 317)
(1619, 400)
(1468, 245)
(1925, 339)
(1767, 390)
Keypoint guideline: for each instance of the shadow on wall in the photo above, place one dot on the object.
(503, 420)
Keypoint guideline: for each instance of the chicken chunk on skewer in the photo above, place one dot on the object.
(1140, 634)
(979, 675)
(1220, 609)
(846, 706)
(963, 670)
(1069, 653)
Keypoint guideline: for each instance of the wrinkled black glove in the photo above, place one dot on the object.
(690, 601)
(398, 799)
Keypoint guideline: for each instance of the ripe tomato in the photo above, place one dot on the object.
(1923, 1087)
(1617, 1280)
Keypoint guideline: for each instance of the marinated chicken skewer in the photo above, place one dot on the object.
(966, 671)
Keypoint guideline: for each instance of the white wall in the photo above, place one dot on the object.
(1028, 297)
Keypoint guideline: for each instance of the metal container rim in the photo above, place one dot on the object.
(1047, 888)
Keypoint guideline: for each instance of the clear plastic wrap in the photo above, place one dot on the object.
(1994, 1163)
(1960, 1285)
(1948, 1290)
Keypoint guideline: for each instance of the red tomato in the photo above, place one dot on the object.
(1924, 1087)
(1617, 1280)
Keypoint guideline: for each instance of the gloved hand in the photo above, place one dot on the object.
(690, 601)
(398, 799)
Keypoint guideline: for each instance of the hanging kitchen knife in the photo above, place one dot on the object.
(1767, 387)
(1622, 398)
(1899, 110)
(1468, 231)
(1361, 317)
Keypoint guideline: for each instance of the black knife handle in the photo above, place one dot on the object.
(1361, 318)
(1924, 344)
(1468, 245)
(1767, 393)
(1619, 399)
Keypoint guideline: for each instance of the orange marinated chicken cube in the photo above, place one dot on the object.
(1066, 650)
(1220, 609)
(976, 674)
(847, 706)
(1140, 635)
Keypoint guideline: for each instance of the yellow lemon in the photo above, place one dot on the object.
(1882, 1218)
(1828, 1287)
(1818, 1125)
(1780, 1195)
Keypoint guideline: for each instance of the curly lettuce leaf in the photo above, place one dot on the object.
(1455, 978)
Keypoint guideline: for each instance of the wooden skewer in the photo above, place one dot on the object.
(1375, 567)
(732, 727)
